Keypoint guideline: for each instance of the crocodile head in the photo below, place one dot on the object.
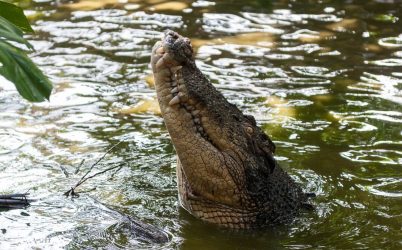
(226, 170)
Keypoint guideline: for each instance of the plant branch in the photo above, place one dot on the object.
(84, 178)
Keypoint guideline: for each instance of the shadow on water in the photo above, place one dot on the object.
(323, 79)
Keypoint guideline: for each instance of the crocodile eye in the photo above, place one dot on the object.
(188, 51)
(249, 130)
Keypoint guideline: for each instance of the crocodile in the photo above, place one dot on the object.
(226, 170)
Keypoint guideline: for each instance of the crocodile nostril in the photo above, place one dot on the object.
(172, 35)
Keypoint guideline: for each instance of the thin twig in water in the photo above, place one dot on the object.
(117, 170)
(64, 170)
(84, 177)
(79, 167)
(99, 160)
(98, 173)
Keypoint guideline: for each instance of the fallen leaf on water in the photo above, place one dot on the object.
(149, 106)
(90, 4)
(149, 79)
(174, 5)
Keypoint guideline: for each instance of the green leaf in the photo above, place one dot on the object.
(11, 32)
(30, 82)
(15, 15)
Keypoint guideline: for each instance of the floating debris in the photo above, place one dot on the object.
(10, 201)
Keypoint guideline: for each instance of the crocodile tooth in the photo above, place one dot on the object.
(182, 88)
(175, 100)
(160, 63)
(174, 83)
(180, 80)
(204, 120)
(174, 90)
(189, 107)
(182, 96)
(196, 121)
(175, 69)
(195, 112)
(160, 51)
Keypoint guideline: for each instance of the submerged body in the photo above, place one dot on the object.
(226, 170)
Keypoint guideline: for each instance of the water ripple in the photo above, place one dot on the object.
(284, 14)
(382, 156)
(306, 126)
(390, 62)
(387, 187)
(316, 71)
(392, 42)
(11, 140)
(142, 18)
(323, 80)
(229, 23)
(389, 116)
(237, 50)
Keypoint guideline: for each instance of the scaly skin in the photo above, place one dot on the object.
(226, 171)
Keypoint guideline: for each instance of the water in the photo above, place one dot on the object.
(322, 78)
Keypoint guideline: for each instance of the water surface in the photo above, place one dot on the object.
(323, 78)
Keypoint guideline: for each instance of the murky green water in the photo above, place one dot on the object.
(324, 78)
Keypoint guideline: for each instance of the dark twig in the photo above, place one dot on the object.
(13, 196)
(64, 170)
(117, 170)
(84, 178)
(14, 200)
(79, 167)
(99, 160)
(98, 173)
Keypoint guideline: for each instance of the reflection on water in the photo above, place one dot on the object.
(323, 79)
